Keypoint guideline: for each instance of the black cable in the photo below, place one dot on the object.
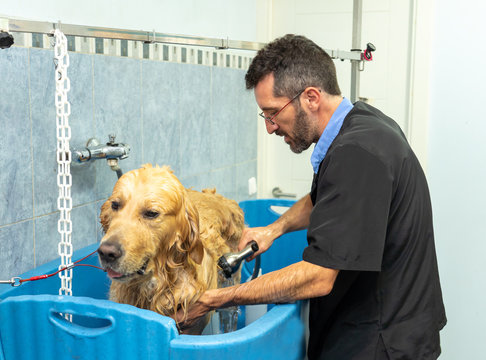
(256, 268)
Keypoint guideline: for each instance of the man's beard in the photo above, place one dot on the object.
(301, 135)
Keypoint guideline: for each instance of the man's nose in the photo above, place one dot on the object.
(271, 128)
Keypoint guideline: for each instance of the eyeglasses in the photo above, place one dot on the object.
(270, 118)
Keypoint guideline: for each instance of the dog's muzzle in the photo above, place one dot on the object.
(110, 252)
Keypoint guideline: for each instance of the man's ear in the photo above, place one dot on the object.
(312, 96)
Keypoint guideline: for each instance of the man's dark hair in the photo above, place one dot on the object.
(296, 63)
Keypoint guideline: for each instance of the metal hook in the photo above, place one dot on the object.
(148, 41)
(15, 281)
(224, 44)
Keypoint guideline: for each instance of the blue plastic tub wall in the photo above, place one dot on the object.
(31, 326)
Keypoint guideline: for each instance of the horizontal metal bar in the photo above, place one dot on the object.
(29, 26)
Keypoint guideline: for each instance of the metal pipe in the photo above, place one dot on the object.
(356, 41)
(28, 26)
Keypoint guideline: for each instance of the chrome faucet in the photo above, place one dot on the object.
(111, 151)
(94, 150)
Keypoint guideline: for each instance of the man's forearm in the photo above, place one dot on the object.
(298, 281)
(295, 218)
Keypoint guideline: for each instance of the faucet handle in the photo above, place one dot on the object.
(111, 138)
(92, 142)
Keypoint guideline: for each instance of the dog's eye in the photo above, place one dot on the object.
(115, 205)
(150, 214)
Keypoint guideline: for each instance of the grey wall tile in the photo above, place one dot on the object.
(42, 96)
(80, 72)
(247, 113)
(85, 222)
(117, 109)
(224, 180)
(80, 96)
(224, 121)
(197, 182)
(244, 171)
(47, 237)
(161, 93)
(195, 120)
(16, 249)
(15, 139)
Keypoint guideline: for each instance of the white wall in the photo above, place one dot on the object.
(210, 18)
(457, 171)
(429, 74)
(385, 80)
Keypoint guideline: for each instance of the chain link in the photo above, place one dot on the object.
(64, 201)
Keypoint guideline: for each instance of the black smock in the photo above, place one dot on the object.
(372, 220)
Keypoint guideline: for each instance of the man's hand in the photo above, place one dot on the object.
(193, 314)
(210, 300)
(295, 218)
(264, 236)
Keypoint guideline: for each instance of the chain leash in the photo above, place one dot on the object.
(63, 154)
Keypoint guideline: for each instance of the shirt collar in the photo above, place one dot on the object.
(330, 133)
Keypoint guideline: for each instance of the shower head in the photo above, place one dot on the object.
(230, 263)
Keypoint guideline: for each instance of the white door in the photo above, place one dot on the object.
(385, 81)
(279, 167)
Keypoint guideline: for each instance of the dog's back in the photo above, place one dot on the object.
(218, 216)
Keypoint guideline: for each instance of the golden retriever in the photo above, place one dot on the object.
(162, 241)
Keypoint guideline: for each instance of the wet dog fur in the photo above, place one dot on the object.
(162, 241)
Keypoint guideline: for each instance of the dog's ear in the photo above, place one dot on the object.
(105, 215)
(194, 245)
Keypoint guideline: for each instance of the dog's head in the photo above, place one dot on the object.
(149, 225)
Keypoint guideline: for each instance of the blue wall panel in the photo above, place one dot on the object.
(198, 119)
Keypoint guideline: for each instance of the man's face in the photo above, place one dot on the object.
(292, 122)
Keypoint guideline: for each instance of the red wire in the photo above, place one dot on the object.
(40, 277)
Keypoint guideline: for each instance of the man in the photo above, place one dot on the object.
(370, 269)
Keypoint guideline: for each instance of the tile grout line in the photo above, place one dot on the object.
(211, 117)
(179, 118)
(141, 113)
(31, 152)
(93, 202)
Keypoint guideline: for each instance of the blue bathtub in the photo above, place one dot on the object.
(31, 328)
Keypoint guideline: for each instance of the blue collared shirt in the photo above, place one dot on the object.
(330, 133)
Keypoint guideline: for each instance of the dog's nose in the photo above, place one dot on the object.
(110, 251)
